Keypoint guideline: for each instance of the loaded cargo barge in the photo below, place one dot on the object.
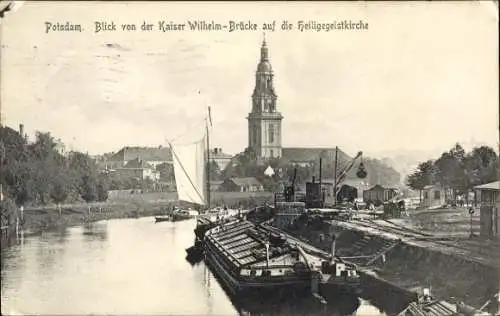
(251, 259)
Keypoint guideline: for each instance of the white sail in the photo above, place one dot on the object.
(189, 170)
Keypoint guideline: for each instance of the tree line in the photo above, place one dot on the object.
(41, 172)
(457, 171)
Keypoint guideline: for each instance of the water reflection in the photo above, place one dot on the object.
(95, 232)
(127, 266)
(341, 306)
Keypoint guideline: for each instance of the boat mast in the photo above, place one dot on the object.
(208, 159)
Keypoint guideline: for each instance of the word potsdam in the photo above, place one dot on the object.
(62, 27)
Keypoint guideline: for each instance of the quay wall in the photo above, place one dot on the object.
(407, 266)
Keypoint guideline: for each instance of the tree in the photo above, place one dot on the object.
(214, 170)
(102, 191)
(88, 190)
(38, 172)
(25, 192)
(458, 170)
(59, 191)
(482, 165)
(44, 146)
(424, 175)
(452, 171)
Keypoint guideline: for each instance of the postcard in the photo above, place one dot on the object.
(249, 158)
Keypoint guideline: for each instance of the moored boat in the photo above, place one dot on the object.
(181, 215)
(163, 218)
(251, 259)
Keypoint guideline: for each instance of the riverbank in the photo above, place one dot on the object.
(410, 264)
(36, 219)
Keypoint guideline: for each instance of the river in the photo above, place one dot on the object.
(128, 266)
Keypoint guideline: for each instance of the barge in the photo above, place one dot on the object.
(204, 223)
(251, 259)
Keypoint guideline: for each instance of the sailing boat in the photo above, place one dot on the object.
(191, 174)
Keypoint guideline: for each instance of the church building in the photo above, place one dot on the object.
(264, 123)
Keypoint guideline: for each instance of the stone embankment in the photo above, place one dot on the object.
(410, 261)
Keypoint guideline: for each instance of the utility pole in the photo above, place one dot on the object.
(471, 212)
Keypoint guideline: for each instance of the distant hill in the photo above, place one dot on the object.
(380, 172)
(404, 161)
(402, 164)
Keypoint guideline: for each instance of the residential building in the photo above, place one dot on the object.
(433, 196)
(378, 194)
(153, 156)
(250, 184)
(220, 158)
(489, 203)
(215, 185)
(139, 169)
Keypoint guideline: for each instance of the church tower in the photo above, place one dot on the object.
(264, 122)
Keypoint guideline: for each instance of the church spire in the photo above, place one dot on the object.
(264, 53)
(264, 122)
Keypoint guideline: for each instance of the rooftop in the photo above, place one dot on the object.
(489, 186)
(144, 153)
(305, 154)
(137, 163)
(378, 186)
(245, 181)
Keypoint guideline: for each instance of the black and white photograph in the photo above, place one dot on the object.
(250, 158)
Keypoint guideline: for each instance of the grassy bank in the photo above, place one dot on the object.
(452, 221)
(230, 199)
(126, 205)
(39, 220)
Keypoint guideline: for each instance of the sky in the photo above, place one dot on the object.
(420, 78)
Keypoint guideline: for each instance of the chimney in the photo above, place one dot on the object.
(21, 130)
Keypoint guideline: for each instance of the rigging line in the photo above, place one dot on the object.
(184, 170)
(190, 128)
(190, 143)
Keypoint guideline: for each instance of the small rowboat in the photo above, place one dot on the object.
(165, 218)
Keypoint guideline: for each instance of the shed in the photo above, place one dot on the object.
(489, 204)
(250, 184)
(378, 194)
